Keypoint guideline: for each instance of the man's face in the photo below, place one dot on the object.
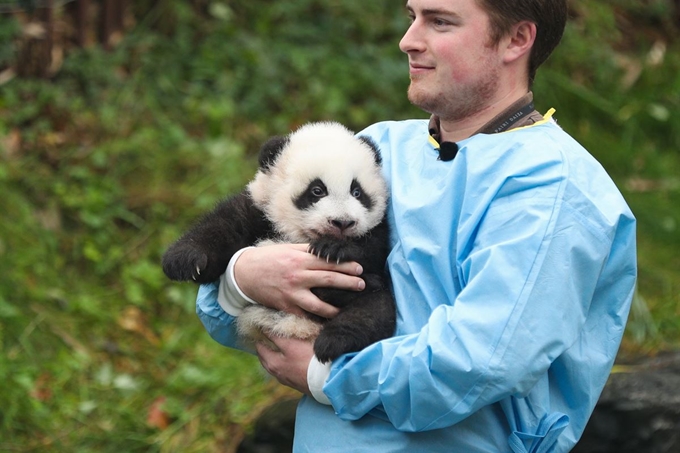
(454, 70)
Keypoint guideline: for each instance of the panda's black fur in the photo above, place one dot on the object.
(320, 185)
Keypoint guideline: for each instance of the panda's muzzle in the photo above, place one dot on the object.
(341, 227)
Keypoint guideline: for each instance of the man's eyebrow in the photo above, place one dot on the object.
(432, 12)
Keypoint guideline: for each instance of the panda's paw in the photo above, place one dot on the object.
(330, 249)
(326, 348)
(184, 263)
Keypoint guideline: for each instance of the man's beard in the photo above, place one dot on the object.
(456, 104)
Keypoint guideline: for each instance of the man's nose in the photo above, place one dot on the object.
(411, 41)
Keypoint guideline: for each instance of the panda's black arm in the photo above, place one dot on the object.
(375, 248)
(370, 250)
(369, 318)
(203, 252)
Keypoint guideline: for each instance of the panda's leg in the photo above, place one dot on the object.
(370, 318)
(256, 323)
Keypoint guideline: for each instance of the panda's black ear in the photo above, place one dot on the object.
(271, 150)
(371, 144)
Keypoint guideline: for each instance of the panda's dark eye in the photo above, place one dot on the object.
(314, 192)
(358, 193)
(318, 191)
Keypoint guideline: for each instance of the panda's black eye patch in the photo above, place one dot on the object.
(358, 192)
(313, 193)
(317, 191)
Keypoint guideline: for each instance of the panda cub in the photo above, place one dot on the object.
(320, 185)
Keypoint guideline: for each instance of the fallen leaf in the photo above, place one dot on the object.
(41, 390)
(157, 417)
(132, 319)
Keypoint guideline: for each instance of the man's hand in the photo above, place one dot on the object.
(281, 276)
(289, 364)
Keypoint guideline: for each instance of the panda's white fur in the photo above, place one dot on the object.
(257, 323)
(332, 153)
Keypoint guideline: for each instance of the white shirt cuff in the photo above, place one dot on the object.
(229, 296)
(317, 374)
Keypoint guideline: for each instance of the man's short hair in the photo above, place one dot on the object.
(550, 17)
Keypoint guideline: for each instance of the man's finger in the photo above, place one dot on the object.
(349, 267)
(331, 279)
(312, 304)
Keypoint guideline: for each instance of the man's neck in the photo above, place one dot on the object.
(456, 130)
(518, 114)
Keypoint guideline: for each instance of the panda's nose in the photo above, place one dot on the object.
(343, 225)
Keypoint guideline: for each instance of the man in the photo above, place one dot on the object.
(513, 260)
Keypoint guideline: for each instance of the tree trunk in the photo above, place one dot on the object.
(35, 48)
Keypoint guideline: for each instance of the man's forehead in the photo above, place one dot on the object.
(438, 6)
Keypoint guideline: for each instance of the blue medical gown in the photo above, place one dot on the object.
(513, 267)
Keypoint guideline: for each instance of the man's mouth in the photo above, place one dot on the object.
(419, 68)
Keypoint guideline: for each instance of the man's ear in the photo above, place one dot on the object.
(519, 41)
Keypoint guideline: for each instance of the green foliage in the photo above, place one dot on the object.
(103, 166)
(614, 83)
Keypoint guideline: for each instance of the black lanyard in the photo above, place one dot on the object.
(448, 150)
(509, 120)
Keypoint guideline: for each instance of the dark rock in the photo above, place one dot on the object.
(639, 410)
(273, 431)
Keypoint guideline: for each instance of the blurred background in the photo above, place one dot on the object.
(122, 121)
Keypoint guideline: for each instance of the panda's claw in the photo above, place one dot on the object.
(332, 250)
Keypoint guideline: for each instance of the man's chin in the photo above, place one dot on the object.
(422, 100)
